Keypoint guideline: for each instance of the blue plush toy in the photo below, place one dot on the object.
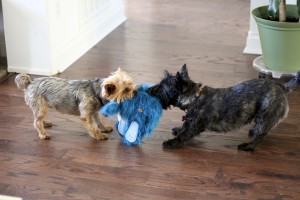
(137, 117)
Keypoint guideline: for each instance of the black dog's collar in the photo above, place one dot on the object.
(198, 92)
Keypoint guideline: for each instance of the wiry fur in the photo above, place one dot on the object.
(75, 97)
(263, 102)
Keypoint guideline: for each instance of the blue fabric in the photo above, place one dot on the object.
(143, 109)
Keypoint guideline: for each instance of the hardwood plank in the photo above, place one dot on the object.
(158, 35)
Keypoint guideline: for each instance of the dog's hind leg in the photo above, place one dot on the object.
(47, 123)
(253, 144)
(258, 133)
(101, 126)
(264, 122)
(262, 126)
(39, 112)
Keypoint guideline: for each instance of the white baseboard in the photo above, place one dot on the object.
(36, 71)
(253, 44)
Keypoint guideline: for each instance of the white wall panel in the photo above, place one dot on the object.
(45, 37)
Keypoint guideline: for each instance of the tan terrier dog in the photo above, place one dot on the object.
(75, 97)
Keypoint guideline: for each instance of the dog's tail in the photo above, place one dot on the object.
(22, 81)
(293, 83)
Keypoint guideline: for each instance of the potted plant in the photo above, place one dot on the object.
(279, 31)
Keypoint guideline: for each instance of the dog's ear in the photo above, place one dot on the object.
(166, 74)
(119, 69)
(183, 73)
(178, 77)
(110, 88)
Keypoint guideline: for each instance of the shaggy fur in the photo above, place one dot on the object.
(263, 102)
(137, 117)
(75, 97)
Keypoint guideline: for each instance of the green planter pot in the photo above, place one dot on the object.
(280, 41)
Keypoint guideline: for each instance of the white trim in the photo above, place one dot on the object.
(36, 71)
(4, 197)
(253, 44)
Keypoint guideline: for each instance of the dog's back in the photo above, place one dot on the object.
(23, 81)
(61, 94)
(230, 108)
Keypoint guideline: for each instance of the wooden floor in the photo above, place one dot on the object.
(209, 36)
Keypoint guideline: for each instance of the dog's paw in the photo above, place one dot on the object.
(108, 129)
(246, 147)
(101, 136)
(44, 137)
(172, 144)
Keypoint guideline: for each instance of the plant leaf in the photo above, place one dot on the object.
(273, 9)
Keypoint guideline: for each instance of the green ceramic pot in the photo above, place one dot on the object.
(280, 41)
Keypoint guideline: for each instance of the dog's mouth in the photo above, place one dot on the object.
(165, 96)
(150, 90)
(123, 97)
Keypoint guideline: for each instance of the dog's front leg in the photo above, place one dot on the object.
(92, 128)
(187, 131)
(101, 126)
(176, 142)
(177, 130)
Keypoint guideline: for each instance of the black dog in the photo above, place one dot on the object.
(224, 109)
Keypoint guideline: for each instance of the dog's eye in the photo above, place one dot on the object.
(126, 90)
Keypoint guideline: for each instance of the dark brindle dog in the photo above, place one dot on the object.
(264, 102)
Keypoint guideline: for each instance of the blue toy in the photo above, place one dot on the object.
(137, 117)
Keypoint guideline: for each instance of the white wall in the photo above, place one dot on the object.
(253, 42)
(44, 37)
